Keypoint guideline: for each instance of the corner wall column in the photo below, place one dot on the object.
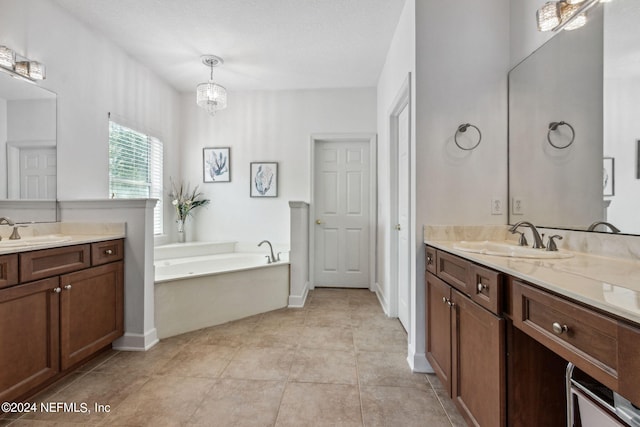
(299, 253)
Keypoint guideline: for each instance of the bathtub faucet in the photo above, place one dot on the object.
(272, 258)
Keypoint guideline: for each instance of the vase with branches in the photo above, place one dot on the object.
(184, 201)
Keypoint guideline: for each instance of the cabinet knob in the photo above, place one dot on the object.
(398, 227)
(108, 252)
(57, 290)
(482, 287)
(559, 329)
(429, 260)
(318, 221)
(67, 287)
(445, 300)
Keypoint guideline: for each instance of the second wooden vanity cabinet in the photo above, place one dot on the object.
(51, 324)
(500, 345)
(465, 336)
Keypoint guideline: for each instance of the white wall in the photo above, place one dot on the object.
(91, 77)
(462, 60)
(263, 126)
(400, 61)
(524, 36)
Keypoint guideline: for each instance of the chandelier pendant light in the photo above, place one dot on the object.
(210, 95)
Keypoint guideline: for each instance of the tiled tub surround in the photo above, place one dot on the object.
(74, 233)
(607, 277)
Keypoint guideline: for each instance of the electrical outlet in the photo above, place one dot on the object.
(517, 206)
(496, 206)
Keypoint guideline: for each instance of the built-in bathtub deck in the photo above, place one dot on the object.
(211, 284)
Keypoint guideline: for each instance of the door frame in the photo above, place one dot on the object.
(371, 139)
(402, 100)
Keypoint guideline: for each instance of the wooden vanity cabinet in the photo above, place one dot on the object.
(8, 270)
(29, 337)
(91, 311)
(51, 324)
(465, 342)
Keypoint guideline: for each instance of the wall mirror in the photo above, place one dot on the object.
(574, 126)
(27, 151)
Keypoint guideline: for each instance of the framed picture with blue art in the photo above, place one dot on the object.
(264, 179)
(216, 162)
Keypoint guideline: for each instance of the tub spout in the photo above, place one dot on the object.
(272, 257)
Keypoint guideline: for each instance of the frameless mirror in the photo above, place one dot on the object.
(574, 155)
(27, 151)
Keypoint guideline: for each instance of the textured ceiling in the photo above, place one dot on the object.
(266, 44)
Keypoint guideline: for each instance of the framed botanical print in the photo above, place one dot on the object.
(216, 164)
(264, 179)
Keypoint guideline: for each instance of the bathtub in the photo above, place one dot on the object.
(198, 285)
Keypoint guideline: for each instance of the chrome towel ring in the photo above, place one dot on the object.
(463, 128)
(554, 126)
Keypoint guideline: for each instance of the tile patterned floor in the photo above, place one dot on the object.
(338, 362)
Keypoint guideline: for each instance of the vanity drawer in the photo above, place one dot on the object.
(430, 259)
(8, 270)
(52, 262)
(579, 335)
(106, 252)
(488, 288)
(454, 270)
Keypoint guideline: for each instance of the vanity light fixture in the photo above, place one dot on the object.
(548, 16)
(211, 96)
(565, 14)
(19, 66)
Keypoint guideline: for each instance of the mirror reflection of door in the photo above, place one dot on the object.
(31, 170)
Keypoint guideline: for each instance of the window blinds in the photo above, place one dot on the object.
(135, 167)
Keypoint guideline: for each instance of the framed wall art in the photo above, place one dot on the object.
(216, 164)
(264, 179)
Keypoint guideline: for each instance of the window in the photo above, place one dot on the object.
(135, 168)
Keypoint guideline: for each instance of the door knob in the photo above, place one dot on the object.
(398, 227)
(318, 221)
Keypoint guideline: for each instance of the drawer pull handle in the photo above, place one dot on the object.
(429, 260)
(67, 287)
(108, 252)
(57, 290)
(559, 329)
(482, 287)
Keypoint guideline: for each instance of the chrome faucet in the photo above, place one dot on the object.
(613, 228)
(537, 240)
(7, 221)
(272, 257)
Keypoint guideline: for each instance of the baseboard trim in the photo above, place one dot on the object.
(137, 342)
(298, 301)
(418, 363)
(382, 299)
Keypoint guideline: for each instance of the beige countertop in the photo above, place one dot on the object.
(606, 283)
(57, 240)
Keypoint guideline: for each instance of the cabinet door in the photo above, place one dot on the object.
(91, 311)
(478, 371)
(438, 328)
(29, 352)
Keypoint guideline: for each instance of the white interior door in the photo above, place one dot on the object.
(402, 228)
(38, 173)
(341, 214)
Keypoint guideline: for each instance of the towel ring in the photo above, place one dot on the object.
(555, 126)
(463, 128)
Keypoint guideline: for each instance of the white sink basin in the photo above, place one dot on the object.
(508, 250)
(34, 241)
